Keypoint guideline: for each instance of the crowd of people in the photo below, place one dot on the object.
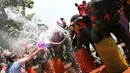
(93, 25)
(15, 63)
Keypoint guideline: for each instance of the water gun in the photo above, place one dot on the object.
(41, 45)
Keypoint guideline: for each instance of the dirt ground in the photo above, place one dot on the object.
(102, 69)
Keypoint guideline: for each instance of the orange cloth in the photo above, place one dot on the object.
(30, 70)
(128, 1)
(58, 65)
(84, 59)
(48, 66)
(54, 66)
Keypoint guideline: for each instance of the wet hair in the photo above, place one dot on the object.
(84, 2)
(61, 18)
(76, 4)
(11, 57)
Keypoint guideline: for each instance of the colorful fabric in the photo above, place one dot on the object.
(84, 59)
(48, 66)
(82, 10)
(111, 56)
(30, 70)
(82, 25)
(58, 65)
(54, 66)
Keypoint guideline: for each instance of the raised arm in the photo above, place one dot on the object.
(31, 56)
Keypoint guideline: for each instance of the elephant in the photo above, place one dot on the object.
(108, 16)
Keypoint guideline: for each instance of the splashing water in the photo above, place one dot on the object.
(31, 34)
(30, 31)
(54, 34)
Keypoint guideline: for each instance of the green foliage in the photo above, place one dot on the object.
(29, 3)
(13, 27)
(23, 3)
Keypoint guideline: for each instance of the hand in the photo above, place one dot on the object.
(25, 46)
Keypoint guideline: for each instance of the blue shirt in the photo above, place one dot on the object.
(15, 67)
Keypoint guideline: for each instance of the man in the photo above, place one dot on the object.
(81, 8)
(63, 23)
(17, 63)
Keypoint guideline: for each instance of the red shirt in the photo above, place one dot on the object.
(82, 9)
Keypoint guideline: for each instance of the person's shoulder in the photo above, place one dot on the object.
(17, 61)
(81, 5)
(16, 64)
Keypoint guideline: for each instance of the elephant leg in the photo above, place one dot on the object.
(96, 35)
(123, 34)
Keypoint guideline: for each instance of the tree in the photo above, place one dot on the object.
(8, 26)
(21, 3)
(13, 27)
